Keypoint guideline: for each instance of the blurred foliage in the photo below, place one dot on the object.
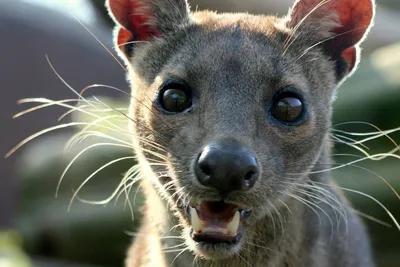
(83, 233)
(390, 3)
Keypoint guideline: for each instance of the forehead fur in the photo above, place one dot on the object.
(248, 45)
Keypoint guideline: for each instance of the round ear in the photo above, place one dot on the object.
(117, 9)
(341, 25)
(142, 20)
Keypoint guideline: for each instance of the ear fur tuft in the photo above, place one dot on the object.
(341, 25)
(142, 20)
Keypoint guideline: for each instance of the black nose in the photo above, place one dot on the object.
(227, 166)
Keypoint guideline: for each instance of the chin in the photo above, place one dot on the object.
(215, 250)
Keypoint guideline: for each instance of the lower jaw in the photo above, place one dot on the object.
(215, 250)
(204, 239)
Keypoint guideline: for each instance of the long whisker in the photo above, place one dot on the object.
(264, 247)
(245, 261)
(65, 82)
(108, 51)
(133, 120)
(26, 100)
(177, 256)
(306, 204)
(128, 94)
(69, 112)
(58, 103)
(327, 39)
(96, 123)
(359, 193)
(133, 178)
(176, 246)
(375, 200)
(321, 132)
(80, 154)
(91, 110)
(287, 42)
(80, 96)
(371, 218)
(380, 133)
(94, 173)
(347, 140)
(101, 43)
(279, 217)
(30, 138)
(340, 209)
(353, 165)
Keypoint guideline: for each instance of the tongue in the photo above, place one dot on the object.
(216, 213)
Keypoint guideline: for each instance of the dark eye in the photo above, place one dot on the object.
(175, 98)
(287, 108)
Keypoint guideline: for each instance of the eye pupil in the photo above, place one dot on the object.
(288, 108)
(175, 100)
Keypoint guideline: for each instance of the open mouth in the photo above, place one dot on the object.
(217, 222)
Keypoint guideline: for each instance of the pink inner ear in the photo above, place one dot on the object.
(120, 11)
(123, 38)
(143, 22)
(350, 55)
(355, 17)
(136, 17)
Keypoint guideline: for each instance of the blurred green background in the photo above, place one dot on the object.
(98, 235)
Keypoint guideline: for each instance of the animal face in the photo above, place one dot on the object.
(230, 109)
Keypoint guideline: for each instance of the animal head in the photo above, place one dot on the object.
(229, 110)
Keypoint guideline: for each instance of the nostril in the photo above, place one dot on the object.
(250, 176)
(205, 169)
(203, 163)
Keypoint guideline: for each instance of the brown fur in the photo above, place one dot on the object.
(235, 64)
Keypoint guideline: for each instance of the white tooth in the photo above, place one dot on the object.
(234, 224)
(197, 223)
